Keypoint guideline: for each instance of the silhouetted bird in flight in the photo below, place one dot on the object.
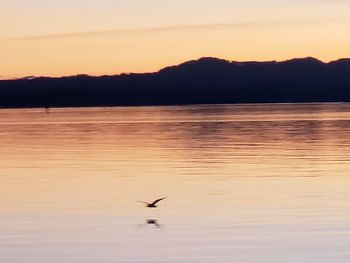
(152, 205)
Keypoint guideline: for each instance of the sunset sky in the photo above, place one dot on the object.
(55, 38)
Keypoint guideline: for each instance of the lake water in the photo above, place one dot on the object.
(244, 183)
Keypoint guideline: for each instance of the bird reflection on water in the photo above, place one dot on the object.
(152, 222)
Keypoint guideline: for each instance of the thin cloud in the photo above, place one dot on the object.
(160, 29)
(134, 30)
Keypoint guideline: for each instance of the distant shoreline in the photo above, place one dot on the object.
(180, 105)
(203, 81)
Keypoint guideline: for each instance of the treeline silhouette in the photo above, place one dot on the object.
(207, 80)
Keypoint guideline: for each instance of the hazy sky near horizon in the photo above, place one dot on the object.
(54, 38)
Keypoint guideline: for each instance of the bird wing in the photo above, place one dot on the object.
(158, 200)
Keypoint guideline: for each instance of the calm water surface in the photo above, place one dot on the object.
(245, 183)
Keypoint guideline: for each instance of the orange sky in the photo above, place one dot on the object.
(108, 37)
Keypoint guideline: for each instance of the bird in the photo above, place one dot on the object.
(152, 205)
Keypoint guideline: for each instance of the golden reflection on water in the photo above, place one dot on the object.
(256, 183)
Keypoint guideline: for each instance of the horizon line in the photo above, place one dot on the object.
(29, 77)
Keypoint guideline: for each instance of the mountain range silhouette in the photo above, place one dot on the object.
(202, 81)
